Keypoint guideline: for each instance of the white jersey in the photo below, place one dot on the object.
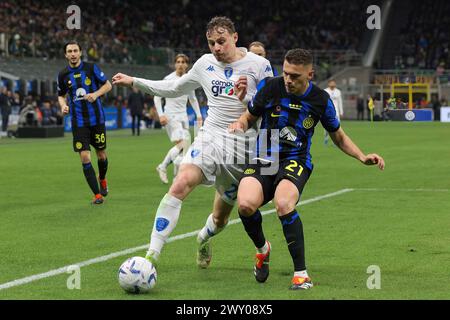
(336, 97)
(217, 80)
(219, 154)
(177, 106)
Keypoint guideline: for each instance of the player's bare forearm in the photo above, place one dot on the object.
(63, 104)
(343, 142)
(62, 101)
(104, 89)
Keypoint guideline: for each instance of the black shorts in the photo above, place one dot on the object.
(85, 136)
(292, 170)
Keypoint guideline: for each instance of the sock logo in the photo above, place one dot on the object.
(161, 224)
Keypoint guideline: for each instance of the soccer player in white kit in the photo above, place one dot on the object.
(175, 119)
(336, 97)
(229, 76)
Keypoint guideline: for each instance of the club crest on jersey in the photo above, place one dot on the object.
(87, 81)
(228, 71)
(308, 123)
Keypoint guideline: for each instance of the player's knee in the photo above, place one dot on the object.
(182, 185)
(246, 207)
(284, 206)
(101, 155)
(85, 157)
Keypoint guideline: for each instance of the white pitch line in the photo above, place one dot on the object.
(402, 190)
(113, 255)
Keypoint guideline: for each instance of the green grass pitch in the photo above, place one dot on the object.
(398, 220)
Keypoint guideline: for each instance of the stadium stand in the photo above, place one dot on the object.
(32, 35)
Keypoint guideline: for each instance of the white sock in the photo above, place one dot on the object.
(165, 221)
(210, 229)
(170, 156)
(302, 273)
(264, 249)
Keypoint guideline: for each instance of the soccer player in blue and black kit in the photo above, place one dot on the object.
(293, 105)
(84, 83)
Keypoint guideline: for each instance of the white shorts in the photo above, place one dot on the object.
(178, 127)
(222, 162)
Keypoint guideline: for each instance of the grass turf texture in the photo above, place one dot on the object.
(48, 221)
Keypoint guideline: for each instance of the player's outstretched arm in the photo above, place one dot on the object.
(161, 88)
(344, 143)
(121, 79)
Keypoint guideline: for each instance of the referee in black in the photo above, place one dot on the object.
(80, 85)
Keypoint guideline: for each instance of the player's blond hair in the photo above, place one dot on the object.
(256, 44)
(181, 55)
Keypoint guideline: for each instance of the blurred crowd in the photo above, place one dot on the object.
(39, 111)
(32, 110)
(110, 29)
(425, 38)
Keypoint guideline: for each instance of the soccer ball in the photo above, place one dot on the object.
(137, 275)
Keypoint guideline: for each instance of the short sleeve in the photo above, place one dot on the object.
(258, 104)
(61, 86)
(266, 70)
(329, 118)
(99, 75)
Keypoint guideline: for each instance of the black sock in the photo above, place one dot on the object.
(102, 168)
(91, 179)
(253, 226)
(293, 232)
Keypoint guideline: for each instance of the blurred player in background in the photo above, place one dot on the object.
(258, 48)
(81, 84)
(174, 118)
(229, 77)
(275, 102)
(336, 97)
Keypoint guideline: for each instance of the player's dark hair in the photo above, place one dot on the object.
(220, 22)
(181, 55)
(72, 42)
(331, 80)
(256, 44)
(299, 56)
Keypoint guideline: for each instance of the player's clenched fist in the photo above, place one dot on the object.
(240, 87)
(65, 110)
(236, 127)
(374, 159)
(121, 79)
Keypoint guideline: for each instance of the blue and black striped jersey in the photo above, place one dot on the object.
(294, 116)
(77, 82)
